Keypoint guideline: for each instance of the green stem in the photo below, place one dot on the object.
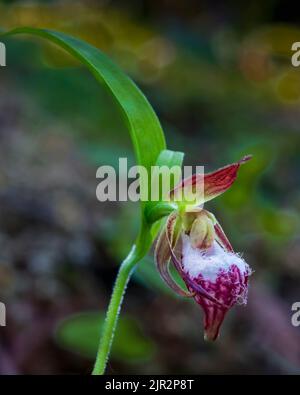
(113, 311)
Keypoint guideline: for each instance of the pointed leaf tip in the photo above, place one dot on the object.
(245, 159)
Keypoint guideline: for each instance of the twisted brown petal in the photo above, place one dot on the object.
(222, 238)
(164, 247)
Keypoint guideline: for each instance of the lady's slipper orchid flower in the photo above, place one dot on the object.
(215, 276)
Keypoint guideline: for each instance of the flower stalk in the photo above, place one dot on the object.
(214, 275)
(112, 315)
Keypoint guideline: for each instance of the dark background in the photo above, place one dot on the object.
(221, 81)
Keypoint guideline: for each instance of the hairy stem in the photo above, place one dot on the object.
(113, 311)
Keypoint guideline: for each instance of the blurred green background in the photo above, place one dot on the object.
(221, 81)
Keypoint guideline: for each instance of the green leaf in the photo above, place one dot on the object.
(80, 333)
(142, 123)
(157, 210)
